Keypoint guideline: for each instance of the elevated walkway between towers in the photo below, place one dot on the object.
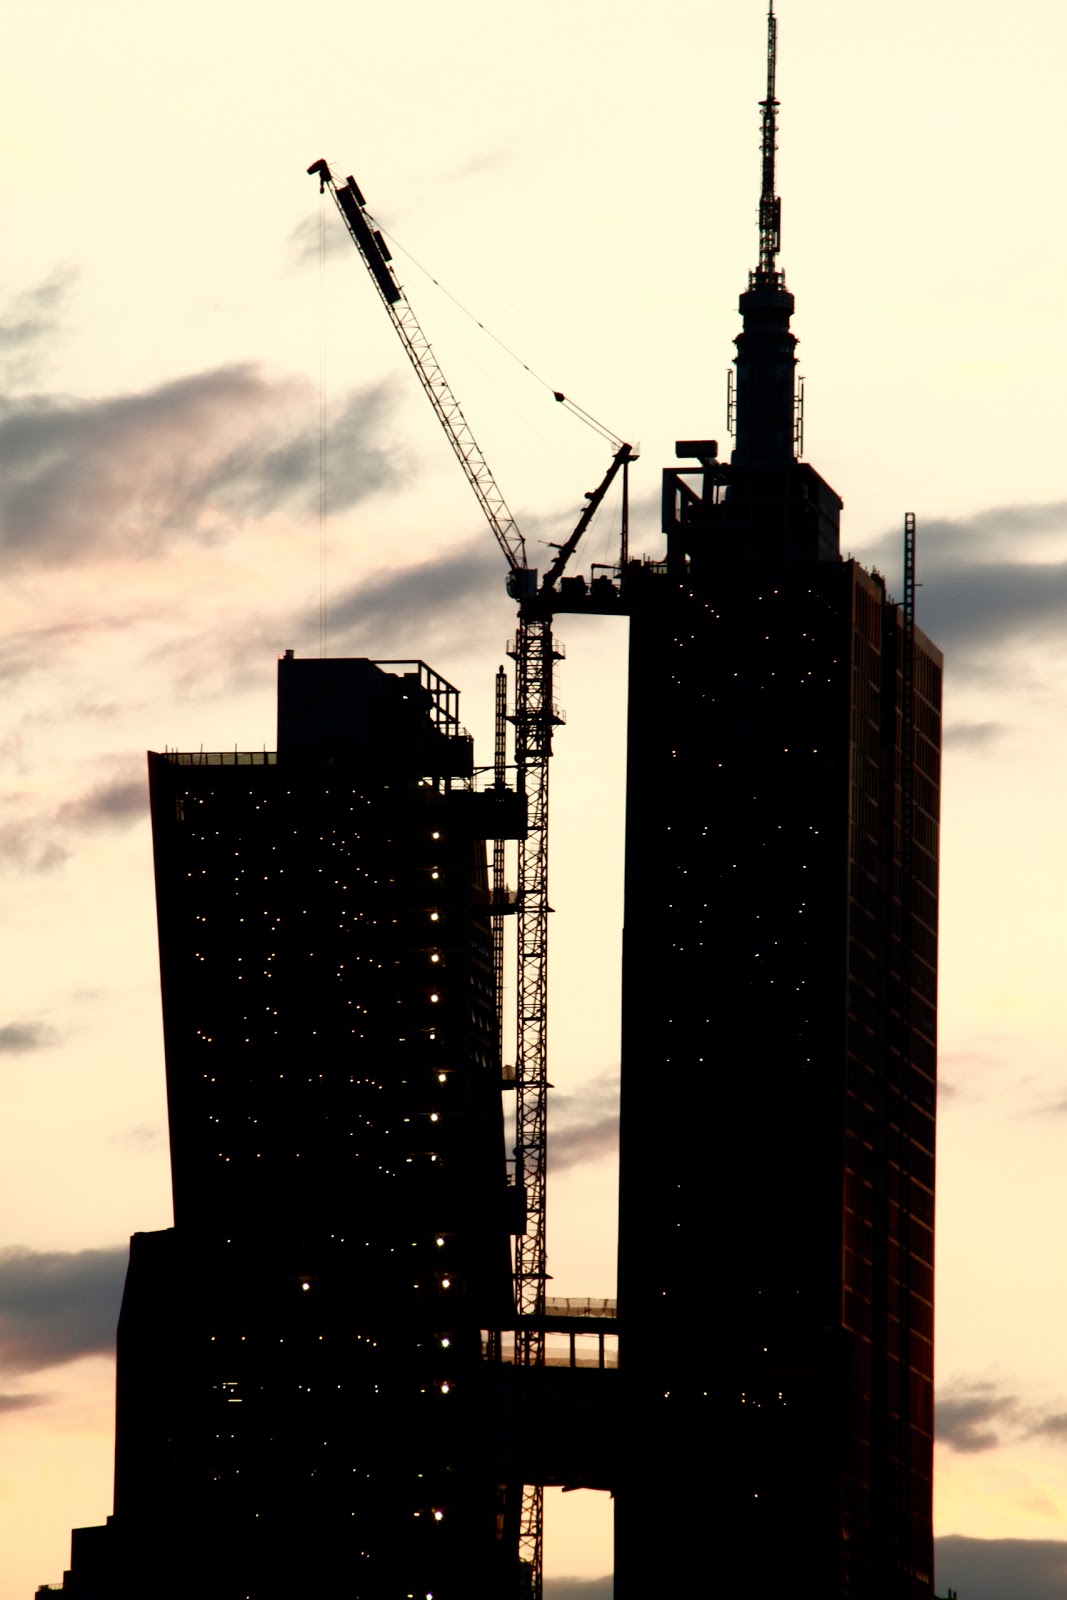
(563, 1418)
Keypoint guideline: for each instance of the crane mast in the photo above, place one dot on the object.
(535, 715)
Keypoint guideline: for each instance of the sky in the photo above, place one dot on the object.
(583, 178)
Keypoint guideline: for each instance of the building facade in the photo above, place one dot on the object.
(302, 1395)
(779, 1026)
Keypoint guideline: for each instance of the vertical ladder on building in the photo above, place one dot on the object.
(906, 1031)
(500, 894)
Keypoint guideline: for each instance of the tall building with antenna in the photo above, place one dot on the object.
(314, 1388)
(778, 1031)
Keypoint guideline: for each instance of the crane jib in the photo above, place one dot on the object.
(370, 249)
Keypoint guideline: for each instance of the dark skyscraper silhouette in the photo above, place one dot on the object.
(778, 1035)
(299, 1399)
(314, 1392)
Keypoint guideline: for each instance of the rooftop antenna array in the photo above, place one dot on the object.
(770, 206)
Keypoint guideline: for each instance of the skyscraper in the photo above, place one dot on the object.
(302, 1404)
(778, 1032)
(304, 1396)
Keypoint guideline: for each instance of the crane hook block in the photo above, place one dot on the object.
(319, 169)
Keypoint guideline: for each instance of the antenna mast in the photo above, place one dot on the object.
(770, 207)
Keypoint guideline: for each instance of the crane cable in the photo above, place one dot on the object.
(557, 394)
(322, 434)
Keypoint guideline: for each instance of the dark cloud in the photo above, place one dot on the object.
(1052, 1426)
(19, 1038)
(433, 610)
(585, 1124)
(186, 460)
(973, 735)
(1001, 1569)
(986, 606)
(455, 594)
(309, 239)
(977, 1569)
(29, 321)
(19, 1402)
(26, 847)
(966, 1416)
(33, 313)
(57, 1307)
(986, 579)
(579, 1588)
(41, 842)
(109, 805)
(975, 1416)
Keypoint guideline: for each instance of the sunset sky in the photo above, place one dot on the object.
(583, 177)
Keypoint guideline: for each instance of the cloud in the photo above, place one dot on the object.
(1052, 1426)
(444, 590)
(56, 1307)
(973, 735)
(977, 1569)
(31, 318)
(579, 1588)
(986, 579)
(309, 240)
(35, 649)
(1047, 1108)
(116, 804)
(18, 1038)
(994, 603)
(41, 841)
(20, 1402)
(26, 847)
(585, 1124)
(964, 1416)
(142, 1137)
(1001, 1569)
(972, 1416)
(189, 459)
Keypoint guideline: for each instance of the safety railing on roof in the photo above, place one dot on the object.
(221, 758)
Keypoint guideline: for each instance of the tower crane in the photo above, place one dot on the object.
(535, 716)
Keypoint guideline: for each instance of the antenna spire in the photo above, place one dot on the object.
(770, 207)
(765, 408)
